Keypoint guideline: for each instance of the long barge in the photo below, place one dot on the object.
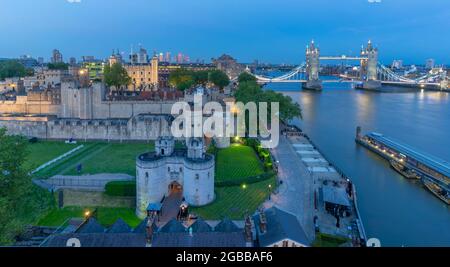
(433, 172)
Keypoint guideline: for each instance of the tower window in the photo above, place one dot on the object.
(197, 176)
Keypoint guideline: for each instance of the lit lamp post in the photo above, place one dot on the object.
(87, 215)
(270, 191)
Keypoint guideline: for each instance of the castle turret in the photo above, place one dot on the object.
(164, 146)
(196, 149)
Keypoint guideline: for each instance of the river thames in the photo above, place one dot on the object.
(397, 211)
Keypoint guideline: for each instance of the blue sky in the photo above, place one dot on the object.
(268, 30)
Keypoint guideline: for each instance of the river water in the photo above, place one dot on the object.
(397, 211)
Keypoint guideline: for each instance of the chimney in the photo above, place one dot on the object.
(262, 222)
(248, 232)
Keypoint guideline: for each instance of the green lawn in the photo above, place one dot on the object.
(237, 161)
(113, 158)
(105, 216)
(325, 240)
(235, 202)
(44, 151)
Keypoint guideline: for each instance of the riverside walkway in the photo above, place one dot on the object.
(295, 193)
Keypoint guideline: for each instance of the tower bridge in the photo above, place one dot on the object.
(372, 74)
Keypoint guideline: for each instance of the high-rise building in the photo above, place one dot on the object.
(430, 63)
(161, 57)
(168, 57)
(40, 60)
(143, 56)
(180, 58)
(56, 56)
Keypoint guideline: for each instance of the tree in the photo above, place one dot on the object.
(182, 79)
(116, 75)
(250, 91)
(21, 202)
(13, 180)
(13, 68)
(219, 78)
(246, 77)
(58, 66)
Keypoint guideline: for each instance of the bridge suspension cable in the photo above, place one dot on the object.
(284, 77)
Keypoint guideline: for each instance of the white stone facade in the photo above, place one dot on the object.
(192, 169)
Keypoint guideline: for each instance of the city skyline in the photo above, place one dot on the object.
(276, 33)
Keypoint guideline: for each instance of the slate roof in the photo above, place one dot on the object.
(335, 195)
(119, 227)
(200, 226)
(173, 226)
(98, 240)
(281, 225)
(142, 227)
(199, 239)
(227, 226)
(91, 226)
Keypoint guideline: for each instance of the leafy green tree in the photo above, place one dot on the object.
(116, 75)
(246, 77)
(219, 78)
(58, 66)
(21, 202)
(250, 91)
(182, 79)
(13, 68)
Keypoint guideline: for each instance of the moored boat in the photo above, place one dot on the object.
(437, 191)
(403, 170)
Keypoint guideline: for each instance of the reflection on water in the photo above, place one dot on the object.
(395, 210)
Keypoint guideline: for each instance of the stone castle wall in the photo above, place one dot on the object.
(142, 127)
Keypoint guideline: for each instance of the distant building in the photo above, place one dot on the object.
(88, 58)
(168, 57)
(143, 56)
(94, 69)
(229, 65)
(56, 56)
(180, 58)
(72, 61)
(143, 75)
(40, 60)
(397, 64)
(161, 57)
(430, 63)
(115, 58)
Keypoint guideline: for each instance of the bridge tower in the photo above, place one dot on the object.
(369, 66)
(312, 68)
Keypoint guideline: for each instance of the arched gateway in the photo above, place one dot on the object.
(167, 171)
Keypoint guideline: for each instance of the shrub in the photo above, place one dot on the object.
(121, 188)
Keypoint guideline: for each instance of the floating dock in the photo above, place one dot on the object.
(433, 172)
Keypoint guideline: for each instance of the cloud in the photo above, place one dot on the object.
(74, 1)
(374, 1)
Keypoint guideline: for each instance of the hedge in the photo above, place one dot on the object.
(121, 188)
(246, 180)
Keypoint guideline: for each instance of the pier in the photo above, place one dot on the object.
(432, 171)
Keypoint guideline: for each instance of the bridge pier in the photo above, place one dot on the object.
(312, 85)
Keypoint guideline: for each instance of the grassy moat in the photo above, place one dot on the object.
(234, 164)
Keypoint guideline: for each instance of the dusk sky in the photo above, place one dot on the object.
(267, 30)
